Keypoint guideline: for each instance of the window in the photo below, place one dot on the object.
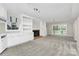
(60, 29)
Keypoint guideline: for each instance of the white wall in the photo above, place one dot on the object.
(36, 24)
(76, 30)
(3, 12)
(43, 30)
(49, 29)
(69, 28)
(75, 27)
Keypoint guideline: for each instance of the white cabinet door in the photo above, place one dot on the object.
(19, 38)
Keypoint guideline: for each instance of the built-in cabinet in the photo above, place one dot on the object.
(13, 37)
(3, 35)
(24, 34)
(27, 24)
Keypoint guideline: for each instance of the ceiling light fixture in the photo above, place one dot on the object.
(37, 11)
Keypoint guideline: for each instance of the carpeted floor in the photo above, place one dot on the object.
(46, 46)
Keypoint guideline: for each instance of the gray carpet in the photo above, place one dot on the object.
(46, 46)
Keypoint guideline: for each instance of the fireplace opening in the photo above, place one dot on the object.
(36, 33)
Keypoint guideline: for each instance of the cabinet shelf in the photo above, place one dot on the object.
(27, 23)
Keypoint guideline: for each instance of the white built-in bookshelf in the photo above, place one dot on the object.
(26, 24)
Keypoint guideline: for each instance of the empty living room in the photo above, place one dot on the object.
(39, 29)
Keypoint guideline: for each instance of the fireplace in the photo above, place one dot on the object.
(36, 33)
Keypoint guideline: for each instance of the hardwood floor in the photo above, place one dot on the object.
(38, 37)
(46, 46)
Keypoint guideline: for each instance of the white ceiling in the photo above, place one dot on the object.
(50, 12)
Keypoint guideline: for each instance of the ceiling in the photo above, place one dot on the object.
(49, 12)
